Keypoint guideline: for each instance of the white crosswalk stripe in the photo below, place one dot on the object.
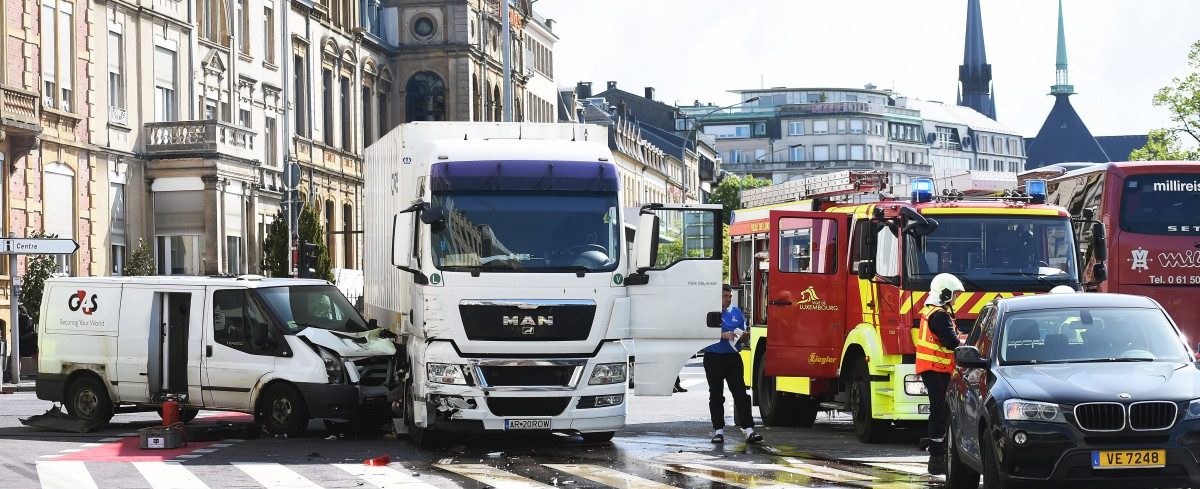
(496, 478)
(607, 476)
(64, 475)
(162, 475)
(384, 477)
(275, 476)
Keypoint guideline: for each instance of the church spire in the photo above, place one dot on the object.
(975, 74)
(1062, 85)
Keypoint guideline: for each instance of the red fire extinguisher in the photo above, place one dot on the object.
(170, 412)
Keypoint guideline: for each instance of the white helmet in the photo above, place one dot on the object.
(942, 289)
(1062, 289)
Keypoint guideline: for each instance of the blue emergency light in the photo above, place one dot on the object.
(1036, 190)
(922, 190)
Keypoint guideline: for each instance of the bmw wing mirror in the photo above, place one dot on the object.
(969, 357)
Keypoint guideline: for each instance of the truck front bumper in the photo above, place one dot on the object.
(889, 400)
(343, 401)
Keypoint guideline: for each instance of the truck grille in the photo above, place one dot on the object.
(1100, 416)
(1152, 415)
(527, 406)
(527, 320)
(527, 375)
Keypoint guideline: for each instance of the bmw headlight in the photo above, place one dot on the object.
(1193, 410)
(446, 373)
(608, 373)
(913, 385)
(1022, 410)
(333, 366)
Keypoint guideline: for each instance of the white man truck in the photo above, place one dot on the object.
(498, 253)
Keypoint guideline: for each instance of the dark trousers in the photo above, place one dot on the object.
(936, 383)
(721, 369)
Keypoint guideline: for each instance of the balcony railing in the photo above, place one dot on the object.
(199, 138)
(19, 109)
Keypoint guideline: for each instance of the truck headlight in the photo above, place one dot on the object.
(446, 373)
(333, 366)
(1022, 410)
(1193, 410)
(608, 373)
(913, 385)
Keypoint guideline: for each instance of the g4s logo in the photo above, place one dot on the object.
(76, 303)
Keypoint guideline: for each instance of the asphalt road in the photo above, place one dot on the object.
(666, 445)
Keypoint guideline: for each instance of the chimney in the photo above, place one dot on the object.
(612, 85)
(650, 93)
(696, 103)
(550, 24)
(622, 110)
(583, 90)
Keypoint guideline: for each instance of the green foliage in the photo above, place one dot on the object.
(729, 192)
(312, 232)
(275, 248)
(38, 268)
(1182, 99)
(141, 262)
(727, 251)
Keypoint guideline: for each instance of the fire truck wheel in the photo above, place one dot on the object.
(781, 408)
(866, 428)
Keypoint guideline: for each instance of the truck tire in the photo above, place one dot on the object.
(88, 399)
(780, 408)
(421, 437)
(867, 428)
(282, 411)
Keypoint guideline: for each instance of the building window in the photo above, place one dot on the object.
(998, 165)
(841, 126)
(368, 130)
(878, 128)
(425, 98)
(797, 153)
(348, 240)
(760, 128)
(269, 35)
(735, 156)
(272, 145)
(116, 199)
(856, 126)
(59, 207)
(233, 254)
(423, 28)
(329, 229)
(821, 152)
(381, 109)
(213, 20)
(116, 77)
(327, 104)
(856, 152)
(243, 33)
(244, 118)
(116, 256)
(347, 110)
(300, 94)
(841, 152)
(178, 255)
(372, 18)
(820, 127)
(164, 85)
(58, 48)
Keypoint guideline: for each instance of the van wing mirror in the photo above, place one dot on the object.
(969, 357)
(646, 242)
(402, 246)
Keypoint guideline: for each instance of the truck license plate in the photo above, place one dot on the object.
(1128, 459)
(526, 424)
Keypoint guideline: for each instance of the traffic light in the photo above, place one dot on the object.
(306, 265)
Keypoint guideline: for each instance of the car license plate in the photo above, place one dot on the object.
(1128, 459)
(526, 424)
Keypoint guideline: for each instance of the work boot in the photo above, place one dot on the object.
(936, 465)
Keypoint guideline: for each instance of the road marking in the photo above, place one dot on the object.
(72, 450)
(205, 450)
(737, 479)
(384, 477)
(609, 477)
(64, 475)
(496, 478)
(162, 475)
(109, 440)
(273, 476)
(690, 383)
(221, 445)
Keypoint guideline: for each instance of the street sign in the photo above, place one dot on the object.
(38, 246)
(291, 174)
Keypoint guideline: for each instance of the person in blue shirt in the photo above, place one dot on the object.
(723, 365)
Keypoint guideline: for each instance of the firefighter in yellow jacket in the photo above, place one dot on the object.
(936, 341)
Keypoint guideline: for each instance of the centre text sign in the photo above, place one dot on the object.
(37, 246)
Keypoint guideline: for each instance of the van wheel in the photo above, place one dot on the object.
(282, 411)
(88, 399)
(781, 408)
(866, 428)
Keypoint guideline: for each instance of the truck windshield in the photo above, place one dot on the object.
(527, 231)
(1162, 204)
(1090, 335)
(994, 253)
(312, 306)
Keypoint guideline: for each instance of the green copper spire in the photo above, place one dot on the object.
(1061, 84)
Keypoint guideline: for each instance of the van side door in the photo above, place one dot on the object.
(240, 347)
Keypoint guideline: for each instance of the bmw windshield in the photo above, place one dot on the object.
(995, 253)
(523, 231)
(1090, 335)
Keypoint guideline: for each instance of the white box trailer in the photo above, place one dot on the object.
(497, 252)
(285, 350)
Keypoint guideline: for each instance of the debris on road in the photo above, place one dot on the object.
(378, 461)
(56, 420)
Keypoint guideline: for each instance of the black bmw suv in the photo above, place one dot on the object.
(1074, 389)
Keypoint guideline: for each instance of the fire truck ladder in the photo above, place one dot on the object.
(835, 184)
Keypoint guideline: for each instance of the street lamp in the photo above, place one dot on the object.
(772, 153)
(718, 109)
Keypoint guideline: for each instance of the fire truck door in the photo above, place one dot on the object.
(806, 302)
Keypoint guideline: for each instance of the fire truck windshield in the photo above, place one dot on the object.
(994, 252)
(527, 231)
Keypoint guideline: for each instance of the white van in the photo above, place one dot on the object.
(284, 350)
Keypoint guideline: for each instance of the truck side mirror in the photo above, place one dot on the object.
(372, 323)
(969, 357)
(866, 269)
(1099, 273)
(1099, 242)
(402, 247)
(646, 242)
(433, 215)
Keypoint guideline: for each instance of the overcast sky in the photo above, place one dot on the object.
(1120, 51)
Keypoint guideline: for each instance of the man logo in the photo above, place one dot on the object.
(527, 330)
(76, 303)
(1140, 259)
(528, 321)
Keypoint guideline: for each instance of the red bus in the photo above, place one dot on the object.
(1151, 211)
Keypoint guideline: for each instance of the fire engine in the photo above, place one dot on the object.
(837, 271)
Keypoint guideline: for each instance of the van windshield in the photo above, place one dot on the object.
(312, 306)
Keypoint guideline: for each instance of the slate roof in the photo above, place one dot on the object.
(1063, 138)
(1118, 147)
(651, 112)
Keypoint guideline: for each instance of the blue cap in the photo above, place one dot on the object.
(1036, 189)
(922, 190)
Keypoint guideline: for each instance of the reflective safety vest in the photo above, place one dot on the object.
(931, 355)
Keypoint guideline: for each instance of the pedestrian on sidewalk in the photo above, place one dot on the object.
(723, 365)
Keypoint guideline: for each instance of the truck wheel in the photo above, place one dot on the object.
(88, 399)
(866, 428)
(778, 408)
(421, 437)
(598, 437)
(282, 411)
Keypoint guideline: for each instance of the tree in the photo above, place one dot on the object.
(38, 268)
(312, 232)
(275, 247)
(1182, 99)
(140, 263)
(729, 192)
